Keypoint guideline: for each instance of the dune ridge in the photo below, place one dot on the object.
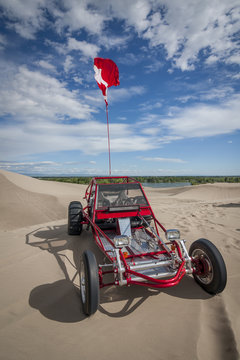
(19, 207)
(40, 311)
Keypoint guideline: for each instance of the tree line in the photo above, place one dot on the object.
(193, 180)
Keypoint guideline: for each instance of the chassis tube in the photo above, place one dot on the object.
(150, 265)
(151, 254)
(181, 271)
(120, 269)
(100, 231)
(158, 286)
(187, 257)
(156, 276)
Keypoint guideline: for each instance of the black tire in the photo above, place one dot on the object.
(210, 269)
(89, 283)
(75, 217)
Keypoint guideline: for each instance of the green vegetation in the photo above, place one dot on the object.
(194, 180)
(73, 180)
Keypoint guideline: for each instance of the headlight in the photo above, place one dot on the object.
(172, 234)
(121, 240)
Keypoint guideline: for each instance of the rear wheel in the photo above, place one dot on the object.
(210, 270)
(89, 283)
(75, 217)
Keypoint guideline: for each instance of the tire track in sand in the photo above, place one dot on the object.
(217, 339)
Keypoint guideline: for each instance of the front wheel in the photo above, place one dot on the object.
(89, 283)
(209, 267)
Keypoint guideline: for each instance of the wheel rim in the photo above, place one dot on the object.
(204, 267)
(82, 282)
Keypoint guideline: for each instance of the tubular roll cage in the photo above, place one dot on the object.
(119, 262)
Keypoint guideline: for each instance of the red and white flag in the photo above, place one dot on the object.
(106, 74)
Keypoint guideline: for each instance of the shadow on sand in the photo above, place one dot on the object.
(60, 300)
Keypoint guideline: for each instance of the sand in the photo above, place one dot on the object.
(41, 314)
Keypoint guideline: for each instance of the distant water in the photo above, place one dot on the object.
(167, 185)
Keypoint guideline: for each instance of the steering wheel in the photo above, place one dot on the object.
(105, 203)
(129, 201)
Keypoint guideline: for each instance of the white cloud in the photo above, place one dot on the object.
(185, 28)
(129, 59)
(153, 67)
(30, 96)
(150, 131)
(236, 76)
(212, 59)
(234, 59)
(29, 167)
(186, 98)
(204, 120)
(115, 94)
(46, 65)
(135, 13)
(149, 119)
(3, 42)
(132, 143)
(160, 159)
(79, 14)
(120, 94)
(217, 93)
(26, 163)
(78, 80)
(88, 50)
(88, 137)
(43, 133)
(43, 168)
(61, 48)
(37, 108)
(68, 64)
(148, 106)
(25, 17)
(110, 41)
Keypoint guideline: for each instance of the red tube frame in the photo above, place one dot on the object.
(150, 282)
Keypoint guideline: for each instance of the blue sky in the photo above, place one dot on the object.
(176, 111)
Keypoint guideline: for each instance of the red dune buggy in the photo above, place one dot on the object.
(126, 230)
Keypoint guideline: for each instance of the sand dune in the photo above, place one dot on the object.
(40, 311)
(20, 207)
(221, 192)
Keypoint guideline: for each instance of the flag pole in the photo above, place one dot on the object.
(109, 155)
